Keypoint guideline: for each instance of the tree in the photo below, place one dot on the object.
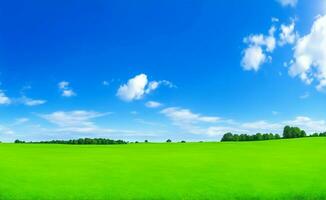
(258, 136)
(146, 141)
(227, 137)
(286, 132)
(168, 141)
(293, 132)
(19, 141)
(183, 141)
(236, 137)
(303, 133)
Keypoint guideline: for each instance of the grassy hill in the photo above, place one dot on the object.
(279, 169)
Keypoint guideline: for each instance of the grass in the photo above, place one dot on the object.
(280, 169)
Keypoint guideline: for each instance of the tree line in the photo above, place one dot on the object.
(288, 132)
(80, 141)
(245, 137)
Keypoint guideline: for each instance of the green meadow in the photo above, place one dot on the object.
(278, 169)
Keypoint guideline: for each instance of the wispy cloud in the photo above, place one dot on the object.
(4, 99)
(31, 102)
(305, 95)
(291, 3)
(153, 104)
(66, 90)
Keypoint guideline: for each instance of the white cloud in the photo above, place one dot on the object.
(137, 87)
(5, 130)
(63, 85)
(68, 93)
(291, 3)
(262, 126)
(308, 124)
(153, 104)
(31, 102)
(81, 123)
(20, 121)
(187, 120)
(253, 58)
(72, 118)
(179, 115)
(66, 90)
(288, 34)
(4, 100)
(258, 47)
(310, 55)
(305, 96)
(198, 124)
(106, 83)
(134, 89)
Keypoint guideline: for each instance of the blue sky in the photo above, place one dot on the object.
(185, 70)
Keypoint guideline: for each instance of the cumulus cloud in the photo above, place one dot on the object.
(258, 47)
(288, 34)
(309, 62)
(137, 87)
(153, 104)
(253, 58)
(134, 89)
(291, 3)
(4, 99)
(66, 90)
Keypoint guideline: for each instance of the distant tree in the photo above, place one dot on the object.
(293, 132)
(146, 141)
(19, 141)
(322, 134)
(258, 136)
(85, 141)
(183, 141)
(271, 136)
(277, 136)
(265, 136)
(136, 142)
(236, 137)
(168, 141)
(245, 137)
(303, 133)
(227, 137)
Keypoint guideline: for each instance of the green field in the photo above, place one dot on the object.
(279, 169)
